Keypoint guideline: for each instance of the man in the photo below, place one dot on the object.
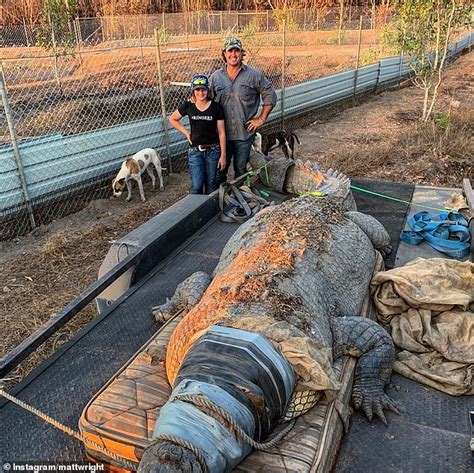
(239, 89)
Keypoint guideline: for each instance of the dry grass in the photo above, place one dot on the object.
(435, 153)
(40, 282)
(384, 138)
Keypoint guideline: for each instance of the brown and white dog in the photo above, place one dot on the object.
(266, 143)
(133, 168)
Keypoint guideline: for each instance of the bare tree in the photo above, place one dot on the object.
(424, 29)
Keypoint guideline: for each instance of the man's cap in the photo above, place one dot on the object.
(199, 81)
(232, 43)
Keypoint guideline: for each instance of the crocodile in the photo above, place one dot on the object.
(294, 275)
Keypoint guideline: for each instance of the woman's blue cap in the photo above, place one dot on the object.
(199, 81)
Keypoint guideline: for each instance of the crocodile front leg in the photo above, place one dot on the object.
(187, 295)
(365, 339)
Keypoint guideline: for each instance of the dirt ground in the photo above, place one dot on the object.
(380, 139)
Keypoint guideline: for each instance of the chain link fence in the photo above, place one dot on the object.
(71, 113)
(130, 28)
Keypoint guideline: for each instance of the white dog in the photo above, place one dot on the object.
(133, 168)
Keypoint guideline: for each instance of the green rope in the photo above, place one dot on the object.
(398, 200)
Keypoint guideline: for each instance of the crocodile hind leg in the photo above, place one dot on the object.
(365, 339)
(374, 230)
(187, 295)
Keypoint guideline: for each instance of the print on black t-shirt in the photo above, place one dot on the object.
(203, 124)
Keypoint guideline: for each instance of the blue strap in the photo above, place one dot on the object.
(446, 232)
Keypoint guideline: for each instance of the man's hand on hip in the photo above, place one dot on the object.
(254, 124)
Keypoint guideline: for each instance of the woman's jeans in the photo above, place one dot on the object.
(203, 169)
(239, 150)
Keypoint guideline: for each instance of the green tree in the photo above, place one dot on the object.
(424, 29)
(57, 31)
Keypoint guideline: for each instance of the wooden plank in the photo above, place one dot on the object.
(468, 192)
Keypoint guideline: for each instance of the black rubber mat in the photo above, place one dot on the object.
(388, 212)
(91, 358)
(431, 434)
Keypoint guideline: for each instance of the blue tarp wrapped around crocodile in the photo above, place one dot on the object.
(255, 396)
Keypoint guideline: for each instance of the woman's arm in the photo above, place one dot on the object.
(221, 132)
(174, 120)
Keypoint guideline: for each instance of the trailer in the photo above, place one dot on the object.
(142, 269)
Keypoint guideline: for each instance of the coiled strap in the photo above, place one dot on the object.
(447, 232)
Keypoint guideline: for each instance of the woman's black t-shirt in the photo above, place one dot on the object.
(203, 124)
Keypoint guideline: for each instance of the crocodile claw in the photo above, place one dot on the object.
(162, 312)
(373, 400)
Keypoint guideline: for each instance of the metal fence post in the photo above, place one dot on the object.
(356, 73)
(140, 34)
(209, 30)
(400, 67)
(162, 99)
(77, 32)
(268, 27)
(222, 22)
(341, 20)
(186, 25)
(16, 151)
(283, 75)
(26, 33)
(378, 77)
(55, 49)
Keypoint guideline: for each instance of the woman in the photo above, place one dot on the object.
(207, 136)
